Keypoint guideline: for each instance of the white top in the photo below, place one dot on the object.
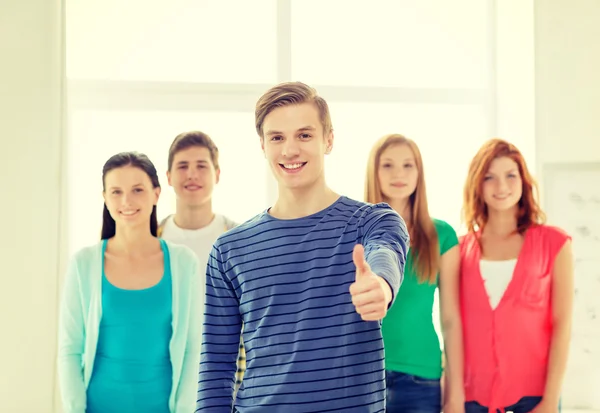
(496, 277)
(198, 240)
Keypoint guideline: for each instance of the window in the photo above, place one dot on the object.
(441, 132)
(179, 41)
(416, 44)
(97, 135)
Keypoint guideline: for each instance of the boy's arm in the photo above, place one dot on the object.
(220, 340)
(386, 241)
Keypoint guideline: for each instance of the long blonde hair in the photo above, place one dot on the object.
(423, 235)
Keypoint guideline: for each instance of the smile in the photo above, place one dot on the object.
(292, 167)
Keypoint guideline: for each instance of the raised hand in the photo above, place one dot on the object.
(371, 294)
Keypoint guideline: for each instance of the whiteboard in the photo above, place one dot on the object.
(571, 195)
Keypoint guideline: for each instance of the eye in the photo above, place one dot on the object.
(386, 165)
(182, 167)
(487, 178)
(116, 192)
(276, 138)
(408, 165)
(305, 136)
(139, 190)
(512, 176)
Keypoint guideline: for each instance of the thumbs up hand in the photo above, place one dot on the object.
(370, 293)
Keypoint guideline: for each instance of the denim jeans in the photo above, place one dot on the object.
(525, 405)
(412, 394)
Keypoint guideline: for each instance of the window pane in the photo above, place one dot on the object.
(425, 43)
(179, 40)
(448, 137)
(94, 136)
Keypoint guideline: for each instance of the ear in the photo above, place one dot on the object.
(217, 175)
(329, 142)
(169, 178)
(262, 146)
(104, 196)
(156, 195)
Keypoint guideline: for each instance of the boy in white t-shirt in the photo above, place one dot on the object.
(193, 172)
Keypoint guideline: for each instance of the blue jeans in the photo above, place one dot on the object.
(525, 405)
(412, 394)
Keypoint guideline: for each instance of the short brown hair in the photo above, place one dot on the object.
(190, 139)
(475, 211)
(290, 93)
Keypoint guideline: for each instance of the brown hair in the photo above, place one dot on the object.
(475, 211)
(191, 139)
(423, 235)
(290, 93)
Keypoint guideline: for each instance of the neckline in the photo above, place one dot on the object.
(166, 263)
(317, 214)
(515, 273)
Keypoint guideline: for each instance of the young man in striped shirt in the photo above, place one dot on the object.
(310, 278)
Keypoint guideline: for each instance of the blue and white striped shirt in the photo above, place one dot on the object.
(307, 349)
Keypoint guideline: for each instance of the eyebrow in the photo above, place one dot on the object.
(506, 172)
(186, 162)
(302, 129)
(118, 187)
(404, 160)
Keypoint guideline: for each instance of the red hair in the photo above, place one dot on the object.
(475, 212)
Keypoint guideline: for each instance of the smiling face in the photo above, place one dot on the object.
(295, 146)
(193, 176)
(502, 185)
(129, 196)
(397, 172)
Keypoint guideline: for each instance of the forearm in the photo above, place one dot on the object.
(454, 370)
(72, 387)
(557, 361)
(385, 264)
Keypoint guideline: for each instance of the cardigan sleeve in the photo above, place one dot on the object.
(71, 342)
(185, 401)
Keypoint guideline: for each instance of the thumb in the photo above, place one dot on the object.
(358, 256)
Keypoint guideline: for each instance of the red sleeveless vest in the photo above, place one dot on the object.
(507, 348)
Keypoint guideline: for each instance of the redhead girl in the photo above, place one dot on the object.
(516, 289)
(412, 350)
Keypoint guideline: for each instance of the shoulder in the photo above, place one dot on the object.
(467, 240)
(163, 223)
(367, 211)
(442, 227)
(550, 236)
(180, 253)
(250, 228)
(229, 223)
(87, 254)
(446, 235)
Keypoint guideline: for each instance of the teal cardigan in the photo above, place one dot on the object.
(79, 323)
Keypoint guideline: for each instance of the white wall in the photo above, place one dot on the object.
(31, 121)
(567, 75)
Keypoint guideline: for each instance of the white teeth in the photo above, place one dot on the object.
(128, 212)
(292, 165)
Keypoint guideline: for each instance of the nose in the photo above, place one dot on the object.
(502, 185)
(126, 200)
(192, 172)
(290, 148)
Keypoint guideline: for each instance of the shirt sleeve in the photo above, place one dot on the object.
(386, 241)
(220, 340)
(446, 236)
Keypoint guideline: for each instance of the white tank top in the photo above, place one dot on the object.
(496, 277)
